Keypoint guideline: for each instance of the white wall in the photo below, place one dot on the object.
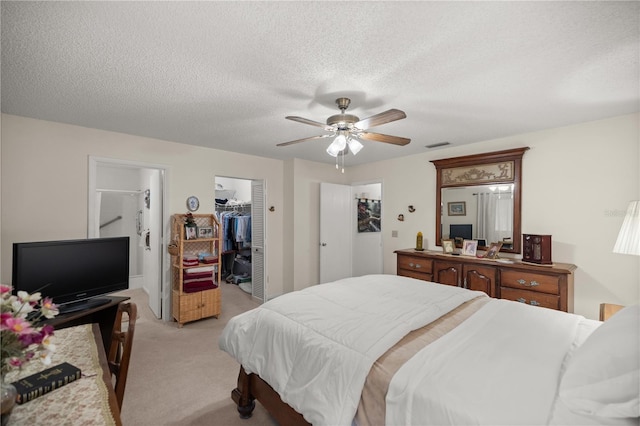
(576, 184)
(45, 179)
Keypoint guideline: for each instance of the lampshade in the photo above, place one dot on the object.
(628, 241)
(338, 144)
(354, 146)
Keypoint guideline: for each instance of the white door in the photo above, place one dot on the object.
(153, 251)
(336, 232)
(258, 287)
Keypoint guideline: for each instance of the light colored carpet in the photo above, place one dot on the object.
(179, 376)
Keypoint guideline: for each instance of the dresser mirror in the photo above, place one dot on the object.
(478, 197)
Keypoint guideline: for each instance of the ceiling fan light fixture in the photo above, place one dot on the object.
(354, 146)
(337, 146)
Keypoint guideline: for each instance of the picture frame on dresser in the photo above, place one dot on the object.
(469, 247)
(448, 246)
(493, 250)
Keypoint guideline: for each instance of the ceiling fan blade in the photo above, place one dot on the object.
(303, 140)
(382, 118)
(379, 137)
(311, 122)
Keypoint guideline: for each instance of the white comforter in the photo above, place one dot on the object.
(510, 377)
(316, 346)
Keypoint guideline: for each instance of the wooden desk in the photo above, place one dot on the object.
(104, 316)
(88, 400)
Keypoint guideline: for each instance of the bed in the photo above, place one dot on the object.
(386, 349)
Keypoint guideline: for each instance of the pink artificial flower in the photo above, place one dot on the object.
(19, 326)
(4, 289)
(4, 317)
(15, 362)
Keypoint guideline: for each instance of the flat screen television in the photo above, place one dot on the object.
(74, 273)
(464, 231)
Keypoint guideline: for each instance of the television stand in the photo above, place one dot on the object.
(104, 315)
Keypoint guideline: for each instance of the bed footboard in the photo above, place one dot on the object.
(252, 387)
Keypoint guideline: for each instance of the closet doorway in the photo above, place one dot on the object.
(239, 206)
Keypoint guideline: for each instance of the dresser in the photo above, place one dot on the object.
(549, 286)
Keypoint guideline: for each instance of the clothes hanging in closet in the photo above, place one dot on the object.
(236, 228)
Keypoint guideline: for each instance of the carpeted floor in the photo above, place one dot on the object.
(179, 376)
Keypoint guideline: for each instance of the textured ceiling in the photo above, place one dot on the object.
(225, 74)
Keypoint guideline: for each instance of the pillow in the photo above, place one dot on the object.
(603, 376)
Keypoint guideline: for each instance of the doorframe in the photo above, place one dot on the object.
(265, 277)
(383, 219)
(165, 261)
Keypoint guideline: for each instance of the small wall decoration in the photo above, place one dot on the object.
(411, 209)
(448, 246)
(401, 217)
(457, 208)
(369, 212)
(469, 247)
(193, 203)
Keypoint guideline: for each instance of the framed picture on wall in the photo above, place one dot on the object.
(457, 208)
(368, 214)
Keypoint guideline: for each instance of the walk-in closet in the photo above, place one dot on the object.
(233, 209)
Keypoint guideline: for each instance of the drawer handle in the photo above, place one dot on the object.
(534, 303)
(522, 300)
(414, 265)
(418, 266)
(524, 283)
(411, 264)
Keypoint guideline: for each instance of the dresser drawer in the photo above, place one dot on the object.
(530, 281)
(415, 263)
(415, 274)
(531, 297)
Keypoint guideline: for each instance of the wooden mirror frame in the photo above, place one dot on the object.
(498, 167)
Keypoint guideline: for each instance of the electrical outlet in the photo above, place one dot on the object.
(394, 234)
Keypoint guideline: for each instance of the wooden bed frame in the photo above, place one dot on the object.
(252, 387)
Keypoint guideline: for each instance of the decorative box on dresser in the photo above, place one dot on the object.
(188, 305)
(549, 286)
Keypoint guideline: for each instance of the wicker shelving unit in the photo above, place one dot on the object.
(192, 306)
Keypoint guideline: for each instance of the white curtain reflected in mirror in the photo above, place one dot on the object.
(495, 214)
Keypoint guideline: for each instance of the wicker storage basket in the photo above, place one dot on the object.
(172, 248)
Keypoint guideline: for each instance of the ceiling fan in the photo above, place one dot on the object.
(346, 129)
